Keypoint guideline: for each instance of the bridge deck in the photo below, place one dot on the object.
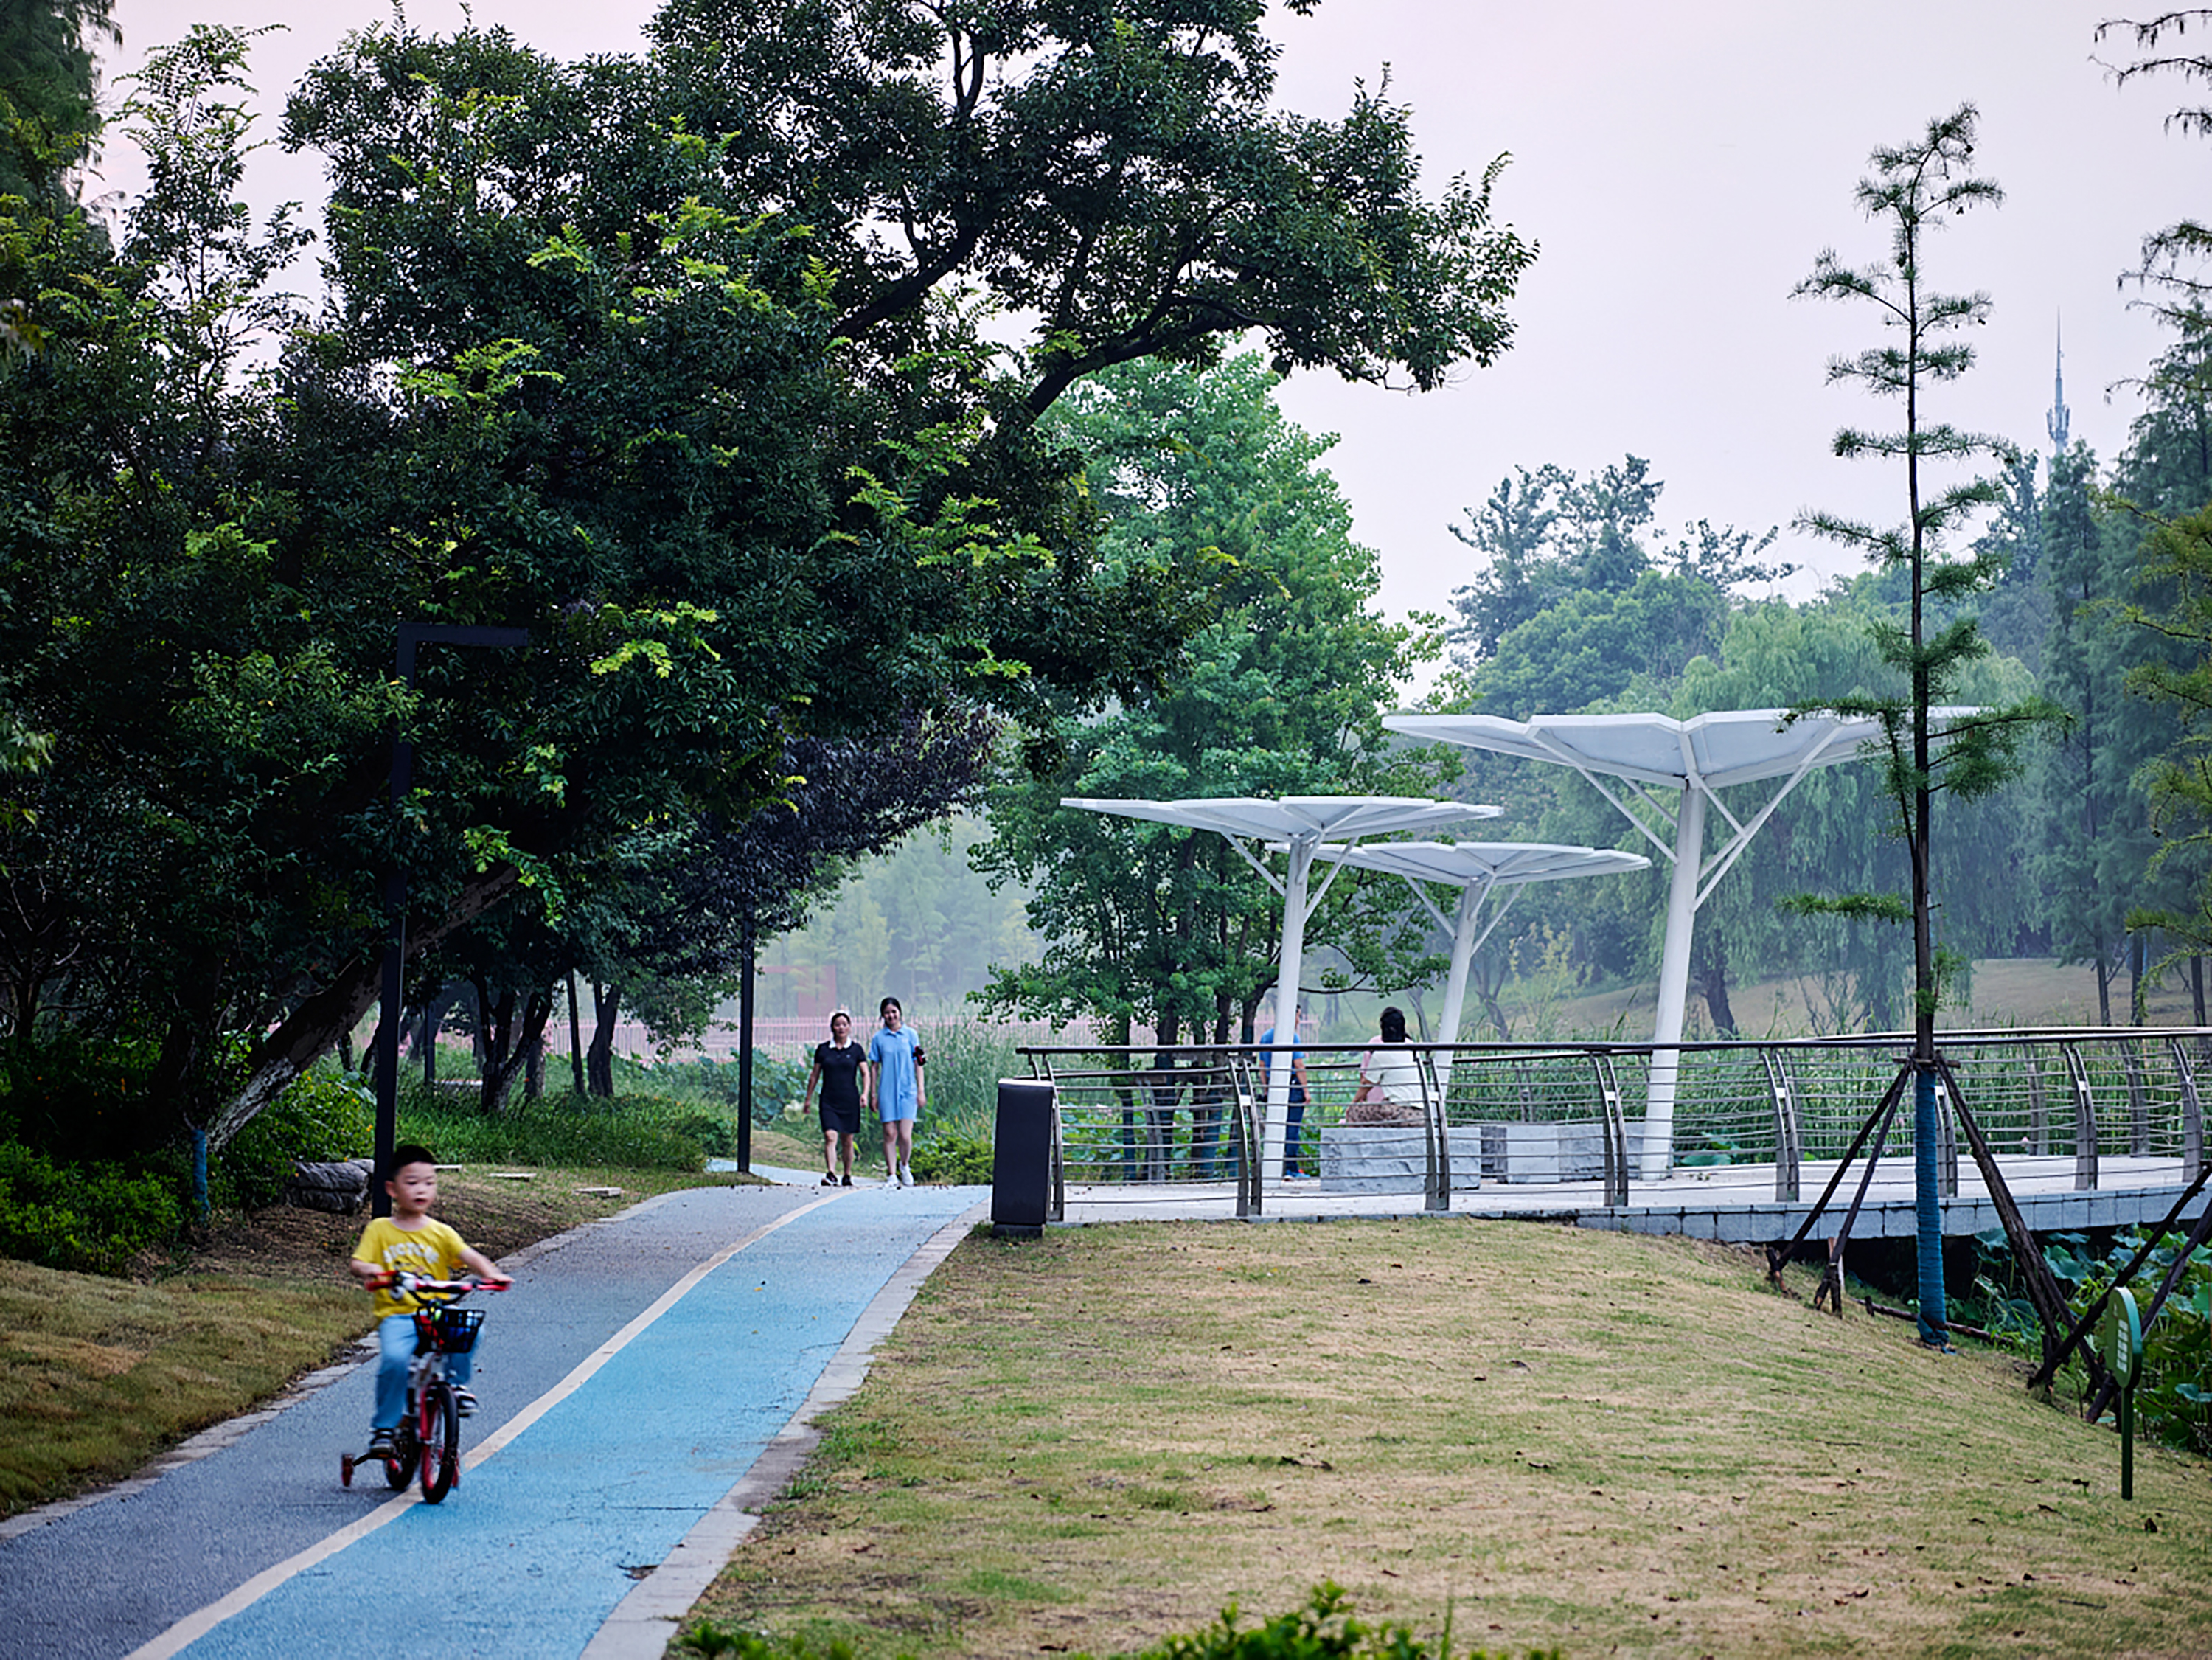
(1733, 1203)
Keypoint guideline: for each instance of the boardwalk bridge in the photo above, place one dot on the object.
(2089, 1129)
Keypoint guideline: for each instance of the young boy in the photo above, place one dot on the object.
(410, 1242)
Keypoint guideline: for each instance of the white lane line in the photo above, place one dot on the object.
(193, 1626)
(589, 1366)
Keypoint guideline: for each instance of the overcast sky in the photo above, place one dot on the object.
(1681, 167)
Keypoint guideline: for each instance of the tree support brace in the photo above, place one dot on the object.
(2042, 1285)
(1778, 1255)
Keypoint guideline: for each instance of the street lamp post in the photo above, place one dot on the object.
(395, 891)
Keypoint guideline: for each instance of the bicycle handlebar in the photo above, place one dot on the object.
(417, 1285)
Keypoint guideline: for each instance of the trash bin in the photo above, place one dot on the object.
(1021, 1158)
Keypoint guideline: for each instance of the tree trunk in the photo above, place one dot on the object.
(599, 1066)
(2104, 988)
(312, 1028)
(480, 1034)
(1710, 974)
(2196, 988)
(575, 1036)
(534, 1065)
(511, 1034)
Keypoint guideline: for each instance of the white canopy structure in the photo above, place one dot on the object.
(1478, 870)
(1300, 824)
(1698, 757)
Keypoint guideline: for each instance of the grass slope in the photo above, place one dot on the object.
(1604, 1442)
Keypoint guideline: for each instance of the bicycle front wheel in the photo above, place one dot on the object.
(441, 1435)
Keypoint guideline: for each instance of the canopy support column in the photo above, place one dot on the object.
(1674, 984)
(1462, 958)
(1291, 964)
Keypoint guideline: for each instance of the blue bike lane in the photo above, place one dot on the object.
(634, 1375)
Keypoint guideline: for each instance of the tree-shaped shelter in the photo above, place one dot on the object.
(1624, 758)
(1479, 870)
(1299, 824)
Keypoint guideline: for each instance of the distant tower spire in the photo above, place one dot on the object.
(2055, 423)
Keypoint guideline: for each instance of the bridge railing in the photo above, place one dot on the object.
(1752, 1116)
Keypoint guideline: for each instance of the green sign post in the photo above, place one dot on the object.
(2123, 1344)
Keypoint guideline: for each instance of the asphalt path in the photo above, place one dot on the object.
(634, 1373)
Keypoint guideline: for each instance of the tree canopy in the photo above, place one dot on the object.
(687, 363)
(1282, 693)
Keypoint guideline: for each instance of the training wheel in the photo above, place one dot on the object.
(345, 1469)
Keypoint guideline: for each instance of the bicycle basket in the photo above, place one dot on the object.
(457, 1329)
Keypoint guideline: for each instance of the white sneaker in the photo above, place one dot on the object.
(906, 1176)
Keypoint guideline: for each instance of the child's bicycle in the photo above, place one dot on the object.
(429, 1438)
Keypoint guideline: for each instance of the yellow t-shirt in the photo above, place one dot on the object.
(431, 1250)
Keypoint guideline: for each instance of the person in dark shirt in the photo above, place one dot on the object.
(841, 1066)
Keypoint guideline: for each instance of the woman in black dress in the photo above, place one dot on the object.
(841, 1066)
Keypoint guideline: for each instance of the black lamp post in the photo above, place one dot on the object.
(395, 892)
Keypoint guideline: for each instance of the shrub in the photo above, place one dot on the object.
(77, 1099)
(966, 1061)
(2173, 1402)
(951, 1156)
(323, 1116)
(717, 1138)
(715, 1082)
(89, 1219)
(634, 1131)
(1324, 1628)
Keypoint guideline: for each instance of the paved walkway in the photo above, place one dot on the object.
(646, 1382)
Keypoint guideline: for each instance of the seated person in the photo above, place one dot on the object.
(1389, 1078)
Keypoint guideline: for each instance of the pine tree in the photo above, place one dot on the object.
(1915, 190)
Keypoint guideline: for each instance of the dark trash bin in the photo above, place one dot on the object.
(1021, 1158)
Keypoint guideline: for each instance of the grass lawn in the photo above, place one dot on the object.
(97, 1375)
(1598, 1441)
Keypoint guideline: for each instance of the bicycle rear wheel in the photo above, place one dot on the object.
(441, 1435)
(399, 1465)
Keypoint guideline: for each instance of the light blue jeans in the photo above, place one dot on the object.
(395, 1342)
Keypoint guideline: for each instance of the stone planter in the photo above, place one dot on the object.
(1374, 1158)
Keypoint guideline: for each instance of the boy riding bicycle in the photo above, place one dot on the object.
(410, 1241)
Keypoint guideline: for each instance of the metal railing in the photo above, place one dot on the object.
(1132, 1123)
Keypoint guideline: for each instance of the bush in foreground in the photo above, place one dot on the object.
(1324, 1629)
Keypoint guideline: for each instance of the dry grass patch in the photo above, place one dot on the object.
(1592, 1440)
(97, 1375)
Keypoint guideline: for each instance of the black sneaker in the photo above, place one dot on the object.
(830, 1178)
(847, 1182)
(380, 1443)
(464, 1403)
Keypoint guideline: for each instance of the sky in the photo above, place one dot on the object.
(1682, 167)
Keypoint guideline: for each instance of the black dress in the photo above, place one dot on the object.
(841, 1086)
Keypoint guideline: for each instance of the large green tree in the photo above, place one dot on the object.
(2085, 780)
(1281, 694)
(49, 91)
(677, 363)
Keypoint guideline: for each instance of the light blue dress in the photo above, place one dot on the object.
(899, 1080)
